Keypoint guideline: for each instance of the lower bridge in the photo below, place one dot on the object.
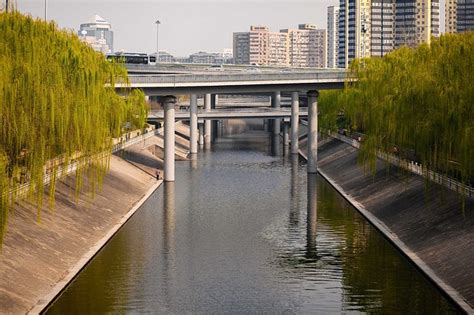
(217, 114)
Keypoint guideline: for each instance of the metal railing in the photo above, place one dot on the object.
(123, 142)
(329, 76)
(413, 167)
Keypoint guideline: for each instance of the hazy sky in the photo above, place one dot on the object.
(187, 26)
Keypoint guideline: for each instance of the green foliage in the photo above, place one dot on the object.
(56, 101)
(420, 100)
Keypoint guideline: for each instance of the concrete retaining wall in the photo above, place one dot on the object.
(425, 220)
(40, 255)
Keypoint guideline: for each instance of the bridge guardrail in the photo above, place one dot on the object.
(193, 78)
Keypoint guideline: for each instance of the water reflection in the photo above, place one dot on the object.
(311, 218)
(294, 192)
(169, 244)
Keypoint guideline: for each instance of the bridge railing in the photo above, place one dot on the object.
(335, 76)
(413, 167)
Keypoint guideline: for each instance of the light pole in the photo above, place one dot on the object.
(6, 8)
(157, 51)
(45, 9)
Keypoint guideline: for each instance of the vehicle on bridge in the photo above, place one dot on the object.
(132, 58)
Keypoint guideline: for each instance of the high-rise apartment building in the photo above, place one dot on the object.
(302, 47)
(459, 16)
(260, 46)
(307, 46)
(376, 27)
(332, 37)
(98, 33)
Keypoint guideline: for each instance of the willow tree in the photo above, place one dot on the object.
(57, 102)
(418, 100)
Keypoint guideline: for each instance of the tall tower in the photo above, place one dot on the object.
(459, 15)
(332, 37)
(98, 33)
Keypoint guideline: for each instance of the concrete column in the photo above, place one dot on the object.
(295, 110)
(193, 124)
(201, 134)
(313, 131)
(207, 123)
(276, 125)
(286, 138)
(214, 99)
(168, 104)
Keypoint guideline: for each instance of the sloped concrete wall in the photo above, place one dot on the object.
(428, 218)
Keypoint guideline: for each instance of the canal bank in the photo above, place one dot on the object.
(41, 255)
(425, 221)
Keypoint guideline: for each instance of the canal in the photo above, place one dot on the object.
(241, 231)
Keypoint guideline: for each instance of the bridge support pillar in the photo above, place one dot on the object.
(313, 132)
(214, 128)
(201, 134)
(168, 104)
(193, 124)
(295, 109)
(207, 123)
(286, 138)
(276, 98)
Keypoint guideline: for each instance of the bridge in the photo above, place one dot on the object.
(195, 81)
(264, 113)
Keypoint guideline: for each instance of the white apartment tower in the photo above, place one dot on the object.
(332, 37)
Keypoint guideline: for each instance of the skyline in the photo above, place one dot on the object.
(180, 37)
(215, 26)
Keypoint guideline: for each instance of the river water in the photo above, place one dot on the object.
(236, 233)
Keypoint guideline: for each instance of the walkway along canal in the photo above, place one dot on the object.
(243, 231)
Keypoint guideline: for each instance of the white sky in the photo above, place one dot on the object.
(187, 26)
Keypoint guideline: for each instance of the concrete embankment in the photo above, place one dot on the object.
(427, 222)
(39, 258)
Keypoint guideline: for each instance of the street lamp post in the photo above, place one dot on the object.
(157, 51)
(45, 6)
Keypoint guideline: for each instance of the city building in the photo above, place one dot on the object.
(332, 37)
(165, 57)
(203, 57)
(376, 27)
(302, 47)
(98, 33)
(459, 16)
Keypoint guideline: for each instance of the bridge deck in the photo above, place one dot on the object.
(229, 114)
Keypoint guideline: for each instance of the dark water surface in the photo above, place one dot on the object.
(236, 233)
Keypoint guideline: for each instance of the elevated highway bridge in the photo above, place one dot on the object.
(167, 82)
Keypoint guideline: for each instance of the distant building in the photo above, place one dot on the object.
(459, 16)
(165, 57)
(98, 33)
(203, 57)
(332, 37)
(302, 47)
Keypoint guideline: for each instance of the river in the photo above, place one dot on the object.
(236, 233)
